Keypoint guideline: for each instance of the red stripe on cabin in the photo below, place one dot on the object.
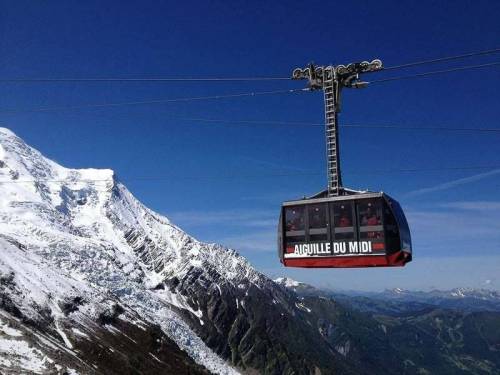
(397, 259)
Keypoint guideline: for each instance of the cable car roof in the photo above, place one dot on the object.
(349, 194)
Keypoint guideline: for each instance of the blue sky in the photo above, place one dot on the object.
(218, 181)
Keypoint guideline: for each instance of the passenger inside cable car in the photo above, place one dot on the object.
(360, 230)
(371, 224)
(318, 226)
(342, 213)
(295, 219)
(317, 218)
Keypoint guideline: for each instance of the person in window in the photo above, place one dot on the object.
(370, 219)
(296, 222)
(344, 220)
(299, 222)
(317, 219)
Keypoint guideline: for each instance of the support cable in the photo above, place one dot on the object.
(263, 175)
(425, 74)
(117, 79)
(157, 101)
(232, 79)
(444, 59)
(319, 124)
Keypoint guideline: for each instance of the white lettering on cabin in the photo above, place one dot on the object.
(312, 249)
(339, 248)
(363, 247)
(353, 247)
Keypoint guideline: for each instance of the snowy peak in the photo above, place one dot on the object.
(4, 132)
(28, 179)
(20, 160)
(24, 162)
(90, 276)
(43, 201)
(396, 291)
(287, 282)
(86, 225)
(475, 293)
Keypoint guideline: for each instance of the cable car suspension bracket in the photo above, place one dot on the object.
(331, 79)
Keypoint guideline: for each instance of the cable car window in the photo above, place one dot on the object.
(317, 216)
(295, 225)
(370, 219)
(294, 217)
(318, 223)
(391, 229)
(343, 221)
(404, 230)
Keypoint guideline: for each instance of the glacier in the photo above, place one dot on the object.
(95, 282)
(82, 230)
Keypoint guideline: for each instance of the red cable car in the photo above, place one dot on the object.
(341, 227)
(361, 229)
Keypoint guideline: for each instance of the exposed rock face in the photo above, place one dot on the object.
(50, 323)
(84, 230)
(93, 282)
(378, 336)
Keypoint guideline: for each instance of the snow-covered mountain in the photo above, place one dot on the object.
(483, 294)
(297, 287)
(93, 282)
(288, 282)
(466, 299)
(89, 228)
(398, 300)
(82, 260)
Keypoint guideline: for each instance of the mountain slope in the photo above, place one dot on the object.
(84, 226)
(93, 282)
(52, 323)
(400, 336)
(76, 221)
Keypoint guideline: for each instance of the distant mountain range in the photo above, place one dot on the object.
(458, 294)
(396, 301)
(441, 332)
(464, 299)
(94, 282)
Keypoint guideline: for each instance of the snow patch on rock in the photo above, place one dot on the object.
(68, 232)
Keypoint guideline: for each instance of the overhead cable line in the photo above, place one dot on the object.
(431, 128)
(212, 97)
(157, 101)
(257, 93)
(417, 75)
(262, 175)
(231, 79)
(319, 124)
(443, 59)
(227, 96)
(159, 79)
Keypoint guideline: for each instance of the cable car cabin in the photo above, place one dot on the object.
(358, 230)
